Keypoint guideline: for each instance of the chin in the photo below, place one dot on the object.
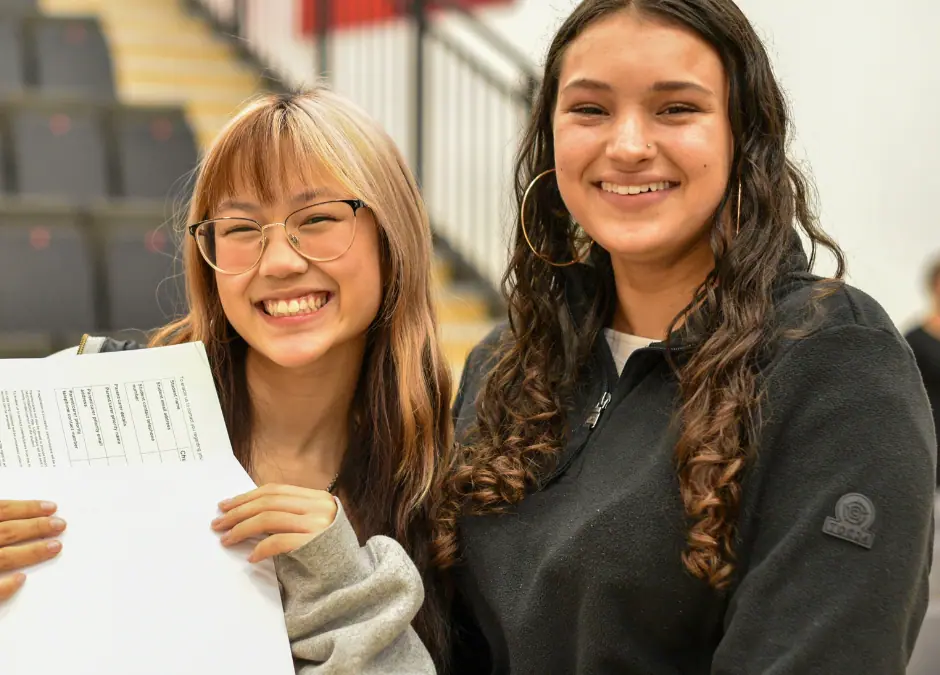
(292, 353)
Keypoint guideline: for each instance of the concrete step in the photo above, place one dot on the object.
(176, 76)
(459, 338)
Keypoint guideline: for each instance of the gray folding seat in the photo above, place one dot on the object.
(142, 269)
(72, 58)
(19, 7)
(46, 271)
(59, 150)
(156, 152)
(12, 74)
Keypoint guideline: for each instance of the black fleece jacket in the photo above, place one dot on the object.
(834, 538)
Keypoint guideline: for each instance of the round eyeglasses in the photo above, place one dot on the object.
(320, 233)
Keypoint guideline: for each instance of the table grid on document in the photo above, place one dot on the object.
(117, 423)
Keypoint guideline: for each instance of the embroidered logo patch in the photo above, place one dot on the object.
(854, 515)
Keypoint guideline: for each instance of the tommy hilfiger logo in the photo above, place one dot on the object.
(854, 515)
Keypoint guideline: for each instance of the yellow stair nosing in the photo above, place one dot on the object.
(185, 79)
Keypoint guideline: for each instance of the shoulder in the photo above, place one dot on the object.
(835, 318)
(842, 368)
(477, 364)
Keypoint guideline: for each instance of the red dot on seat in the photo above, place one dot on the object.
(75, 34)
(60, 124)
(161, 129)
(40, 238)
(155, 241)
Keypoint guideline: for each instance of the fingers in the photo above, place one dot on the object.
(16, 531)
(21, 510)
(277, 544)
(264, 491)
(274, 522)
(16, 557)
(286, 504)
(10, 585)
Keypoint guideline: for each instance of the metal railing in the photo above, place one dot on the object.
(453, 94)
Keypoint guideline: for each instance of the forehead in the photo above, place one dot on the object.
(272, 183)
(628, 50)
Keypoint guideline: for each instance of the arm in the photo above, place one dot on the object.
(349, 609)
(834, 583)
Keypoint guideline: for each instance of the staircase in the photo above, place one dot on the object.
(164, 53)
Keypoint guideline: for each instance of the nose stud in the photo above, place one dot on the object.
(649, 145)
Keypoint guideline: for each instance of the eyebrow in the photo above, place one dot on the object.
(665, 86)
(299, 199)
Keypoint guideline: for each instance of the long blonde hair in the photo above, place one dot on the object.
(400, 426)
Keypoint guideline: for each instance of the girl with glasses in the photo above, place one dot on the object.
(308, 271)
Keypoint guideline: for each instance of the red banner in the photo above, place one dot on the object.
(357, 13)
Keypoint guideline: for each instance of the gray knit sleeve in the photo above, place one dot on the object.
(349, 609)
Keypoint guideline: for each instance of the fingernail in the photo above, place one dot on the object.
(48, 507)
(224, 503)
(19, 578)
(216, 522)
(54, 546)
(226, 538)
(57, 524)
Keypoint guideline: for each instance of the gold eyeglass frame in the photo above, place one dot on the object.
(356, 204)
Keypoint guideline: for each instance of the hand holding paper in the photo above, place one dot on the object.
(291, 516)
(25, 528)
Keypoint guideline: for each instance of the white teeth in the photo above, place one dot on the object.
(297, 306)
(636, 189)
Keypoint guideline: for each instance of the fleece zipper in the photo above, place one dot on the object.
(82, 343)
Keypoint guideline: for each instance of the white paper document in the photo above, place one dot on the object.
(147, 406)
(133, 448)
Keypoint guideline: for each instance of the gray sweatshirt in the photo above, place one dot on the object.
(348, 609)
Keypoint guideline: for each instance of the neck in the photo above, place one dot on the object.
(301, 415)
(650, 296)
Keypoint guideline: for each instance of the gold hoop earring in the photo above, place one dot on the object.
(525, 234)
(737, 226)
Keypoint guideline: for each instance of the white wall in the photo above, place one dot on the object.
(864, 83)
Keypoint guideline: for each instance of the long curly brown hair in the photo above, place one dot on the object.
(400, 428)
(727, 327)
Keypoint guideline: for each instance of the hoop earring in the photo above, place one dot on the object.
(525, 234)
(737, 222)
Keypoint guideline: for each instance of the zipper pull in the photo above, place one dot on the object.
(598, 409)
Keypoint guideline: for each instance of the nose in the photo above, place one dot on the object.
(279, 259)
(631, 141)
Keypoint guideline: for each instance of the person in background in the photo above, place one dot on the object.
(685, 453)
(925, 343)
(308, 270)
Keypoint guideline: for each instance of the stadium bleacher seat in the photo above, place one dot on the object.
(142, 274)
(12, 74)
(156, 152)
(46, 270)
(19, 7)
(58, 150)
(4, 163)
(72, 58)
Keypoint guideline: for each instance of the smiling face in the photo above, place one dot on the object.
(643, 142)
(293, 311)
